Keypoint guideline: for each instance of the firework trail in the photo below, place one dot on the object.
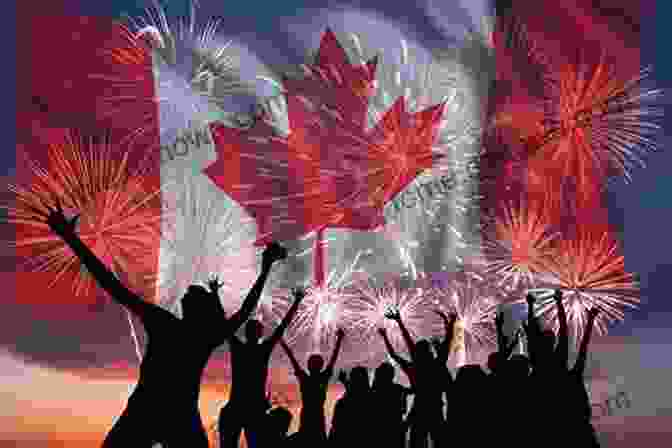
(475, 303)
(204, 234)
(590, 271)
(181, 67)
(518, 245)
(119, 216)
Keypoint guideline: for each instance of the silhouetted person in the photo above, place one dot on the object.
(573, 405)
(249, 363)
(469, 402)
(314, 384)
(164, 404)
(426, 417)
(353, 413)
(506, 397)
(442, 348)
(499, 358)
(390, 401)
(569, 401)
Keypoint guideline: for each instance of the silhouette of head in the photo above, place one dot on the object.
(279, 420)
(315, 363)
(198, 303)
(423, 350)
(253, 330)
(384, 374)
(359, 379)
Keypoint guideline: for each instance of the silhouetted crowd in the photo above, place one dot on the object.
(534, 400)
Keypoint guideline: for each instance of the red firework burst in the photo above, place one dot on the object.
(518, 244)
(119, 215)
(598, 125)
(590, 271)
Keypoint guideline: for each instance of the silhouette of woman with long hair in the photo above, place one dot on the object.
(177, 350)
(313, 385)
(247, 403)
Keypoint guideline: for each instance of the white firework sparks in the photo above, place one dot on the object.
(475, 303)
(325, 308)
(193, 71)
(445, 193)
(367, 315)
(204, 233)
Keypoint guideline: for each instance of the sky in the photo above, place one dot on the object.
(63, 381)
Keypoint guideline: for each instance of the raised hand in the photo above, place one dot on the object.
(557, 295)
(381, 331)
(393, 314)
(273, 252)
(593, 312)
(340, 333)
(214, 284)
(59, 223)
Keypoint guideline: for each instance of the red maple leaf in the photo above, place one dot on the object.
(328, 172)
(332, 81)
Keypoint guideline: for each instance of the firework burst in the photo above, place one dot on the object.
(119, 213)
(518, 245)
(182, 67)
(590, 271)
(325, 309)
(608, 123)
(475, 303)
(367, 315)
(119, 217)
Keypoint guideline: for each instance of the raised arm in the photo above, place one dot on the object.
(395, 315)
(299, 294)
(533, 331)
(65, 229)
(292, 359)
(580, 364)
(334, 355)
(501, 339)
(562, 349)
(403, 363)
(443, 348)
(273, 252)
